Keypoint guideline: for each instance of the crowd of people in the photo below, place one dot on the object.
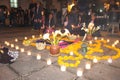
(41, 18)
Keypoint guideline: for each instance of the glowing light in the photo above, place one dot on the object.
(25, 38)
(110, 60)
(71, 53)
(88, 65)
(49, 62)
(79, 72)
(29, 53)
(16, 40)
(63, 68)
(38, 56)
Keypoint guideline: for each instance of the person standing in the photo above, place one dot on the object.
(37, 17)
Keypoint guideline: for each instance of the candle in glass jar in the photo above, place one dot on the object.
(33, 36)
(117, 41)
(63, 68)
(22, 50)
(17, 47)
(25, 38)
(88, 66)
(8, 44)
(40, 36)
(113, 45)
(102, 38)
(95, 60)
(38, 56)
(12, 45)
(5, 42)
(95, 38)
(71, 53)
(16, 40)
(49, 62)
(108, 40)
(90, 42)
(29, 53)
(79, 72)
(110, 60)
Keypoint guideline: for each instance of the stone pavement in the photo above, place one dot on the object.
(29, 68)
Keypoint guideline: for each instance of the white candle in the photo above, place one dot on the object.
(71, 53)
(16, 40)
(12, 45)
(29, 53)
(95, 60)
(108, 40)
(17, 47)
(40, 36)
(90, 42)
(110, 60)
(49, 62)
(5, 42)
(88, 66)
(79, 72)
(113, 45)
(63, 68)
(102, 39)
(95, 38)
(25, 38)
(8, 44)
(33, 36)
(117, 41)
(38, 56)
(22, 50)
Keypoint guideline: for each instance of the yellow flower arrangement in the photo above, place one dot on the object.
(77, 57)
(62, 60)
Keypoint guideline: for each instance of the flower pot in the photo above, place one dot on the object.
(89, 37)
(54, 50)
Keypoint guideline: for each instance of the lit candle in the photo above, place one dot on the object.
(108, 40)
(117, 41)
(22, 50)
(95, 38)
(38, 56)
(29, 53)
(95, 60)
(17, 47)
(88, 66)
(8, 44)
(102, 39)
(49, 62)
(40, 36)
(79, 72)
(71, 53)
(113, 45)
(63, 68)
(12, 45)
(90, 42)
(110, 60)
(33, 36)
(16, 40)
(5, 42)
(25, 38)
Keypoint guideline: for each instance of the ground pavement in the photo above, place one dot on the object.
(29, 68)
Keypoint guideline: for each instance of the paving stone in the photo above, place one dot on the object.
(7, 73)
(82, 78)
(51, 73)
(102, 72)
(26, 66)
(115, 63)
